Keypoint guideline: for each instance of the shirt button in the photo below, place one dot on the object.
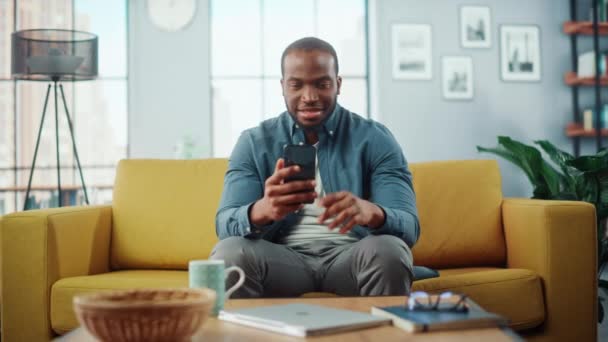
(301, 143)
(331, 132)
(297, 126)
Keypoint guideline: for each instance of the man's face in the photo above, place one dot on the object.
(310, 86)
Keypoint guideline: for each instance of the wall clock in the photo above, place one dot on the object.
(171, 15)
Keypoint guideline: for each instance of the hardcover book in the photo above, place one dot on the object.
(431, 320)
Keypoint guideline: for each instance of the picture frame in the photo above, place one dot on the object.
(457, 77)
(475, 27)
(520, 54)
(412, 52)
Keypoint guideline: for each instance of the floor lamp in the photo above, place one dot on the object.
(54, 56)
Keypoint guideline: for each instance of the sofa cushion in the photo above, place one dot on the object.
(164, 212)
(514, 293)
(459, 206)
(64, 290)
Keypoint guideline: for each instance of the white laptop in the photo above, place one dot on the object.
(302, 319)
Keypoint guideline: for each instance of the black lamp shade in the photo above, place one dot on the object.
(54, 55)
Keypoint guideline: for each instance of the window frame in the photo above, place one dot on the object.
(266, 76)
(15, 169)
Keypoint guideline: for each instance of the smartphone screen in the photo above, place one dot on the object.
(305, 157)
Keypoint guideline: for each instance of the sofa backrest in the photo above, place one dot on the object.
(459, 207)
(164, 212)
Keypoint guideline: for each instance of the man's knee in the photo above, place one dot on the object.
(234, 250)
(386, 250)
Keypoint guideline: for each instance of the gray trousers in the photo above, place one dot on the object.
(375, 265)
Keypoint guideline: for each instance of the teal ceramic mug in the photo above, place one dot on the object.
(212, 274)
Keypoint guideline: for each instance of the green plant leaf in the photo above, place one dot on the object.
(594, 187)
(560, 158)
(529, 156)
(589, 163)
(509, 156)
(501, 153)
(602, 179)
(602, 212)
(553, 178)
(566, 196)
(545, 178)
(588, 187)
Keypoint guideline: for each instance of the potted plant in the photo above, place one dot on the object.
(584, 178)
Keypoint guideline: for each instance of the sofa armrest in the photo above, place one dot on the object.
(557, 239)
(40, 247)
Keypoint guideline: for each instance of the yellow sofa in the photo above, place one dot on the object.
(533, 261)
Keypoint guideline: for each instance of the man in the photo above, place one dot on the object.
(355, 239)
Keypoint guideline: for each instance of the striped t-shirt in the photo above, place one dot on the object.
(308, 230)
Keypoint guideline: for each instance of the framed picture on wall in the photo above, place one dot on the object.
(457, 77)
(520, 53)
(412, 55)
(475, 27)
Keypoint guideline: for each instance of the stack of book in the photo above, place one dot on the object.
(602, 11)
(589, 118)
(420, 320)
(586, 64)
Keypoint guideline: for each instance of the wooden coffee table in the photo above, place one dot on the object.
(216, 330)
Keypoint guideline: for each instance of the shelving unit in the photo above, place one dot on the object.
(571, 79)
(584, 27)
(594, 29)
(576, 130)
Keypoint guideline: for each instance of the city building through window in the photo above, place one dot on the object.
(98, 108)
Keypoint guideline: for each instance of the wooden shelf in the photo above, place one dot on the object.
(571, 79)
(584, 27)
(576, 130)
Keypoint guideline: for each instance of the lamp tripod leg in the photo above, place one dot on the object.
(57, 146)
(67, 114)
(29, 182)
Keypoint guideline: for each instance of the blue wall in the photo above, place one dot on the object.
(431, 128)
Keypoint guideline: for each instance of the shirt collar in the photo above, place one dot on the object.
(329, 127)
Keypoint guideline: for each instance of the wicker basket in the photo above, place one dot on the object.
(144, 314)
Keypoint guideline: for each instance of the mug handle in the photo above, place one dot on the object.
(239, 283)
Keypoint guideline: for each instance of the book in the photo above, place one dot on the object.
(586, 64)
(602, 8)
(589, 117)
(432, 320)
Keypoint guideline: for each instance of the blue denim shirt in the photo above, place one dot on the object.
(354, 154)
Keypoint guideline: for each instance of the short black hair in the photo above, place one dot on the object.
(309, 44)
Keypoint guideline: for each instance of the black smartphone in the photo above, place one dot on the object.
(303, 156)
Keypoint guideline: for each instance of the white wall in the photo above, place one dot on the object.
(169, 90)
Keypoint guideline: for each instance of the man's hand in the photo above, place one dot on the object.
(281, 198)
(350, 210)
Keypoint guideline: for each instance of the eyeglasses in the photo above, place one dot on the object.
(446, 301)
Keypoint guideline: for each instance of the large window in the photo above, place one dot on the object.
(98, 108)
(247, 40)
